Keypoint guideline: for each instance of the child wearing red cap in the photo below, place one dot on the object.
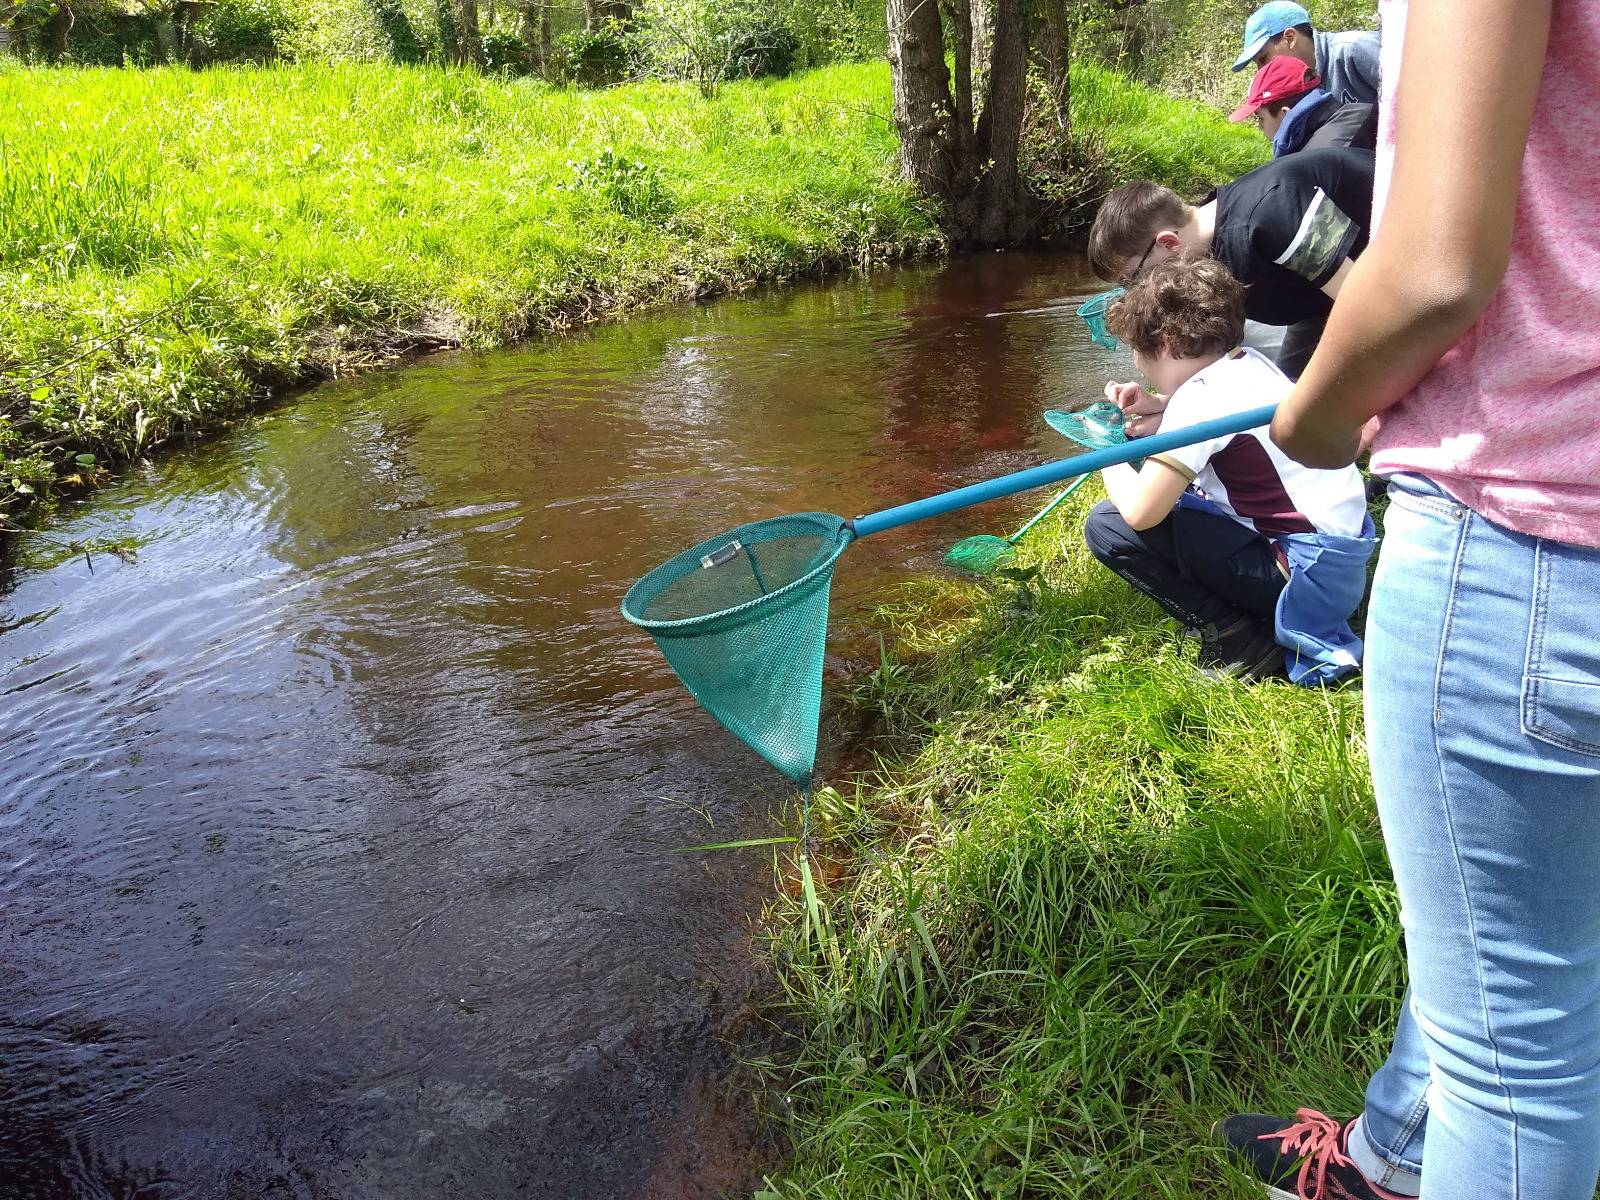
(1294, 113)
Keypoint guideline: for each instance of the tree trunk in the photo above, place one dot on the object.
(597, 12)
(1004, 209)
(971, 171)
(924, 111)
(56, 30)
(536, 33)
(1055, 45)
(469, 37)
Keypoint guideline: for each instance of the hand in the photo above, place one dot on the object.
(1141, 409)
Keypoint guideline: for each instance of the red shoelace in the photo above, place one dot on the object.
(1319, 1141)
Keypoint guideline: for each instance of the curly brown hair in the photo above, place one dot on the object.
(1187, 307)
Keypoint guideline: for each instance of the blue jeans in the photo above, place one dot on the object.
(1483, 720)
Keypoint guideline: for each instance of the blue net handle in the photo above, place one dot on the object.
(1066, 468)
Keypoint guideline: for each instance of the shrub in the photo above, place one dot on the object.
(504, 50)
(708, 41)
(240, 31)
(594, 58)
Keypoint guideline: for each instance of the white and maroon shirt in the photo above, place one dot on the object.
(1245, 474)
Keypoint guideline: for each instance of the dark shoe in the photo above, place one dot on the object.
(1300, 1159)
(1244, 650)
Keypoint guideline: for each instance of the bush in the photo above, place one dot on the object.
(505, 51)
(241, 31)
(708, 41)
(594, 58)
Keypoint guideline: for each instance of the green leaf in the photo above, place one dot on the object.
(42, 392)
(84, 460)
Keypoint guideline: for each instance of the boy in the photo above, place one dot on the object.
(1347, 62)
(1288, 230)
(1294, 114)
(1255, 553)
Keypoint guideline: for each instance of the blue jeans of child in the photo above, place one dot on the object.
(1483, 723)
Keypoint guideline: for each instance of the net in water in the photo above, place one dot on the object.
(743, 620)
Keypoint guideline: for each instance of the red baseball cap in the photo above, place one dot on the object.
(1282, 78)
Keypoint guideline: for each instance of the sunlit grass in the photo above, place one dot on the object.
(173, 243)
(1096, 903)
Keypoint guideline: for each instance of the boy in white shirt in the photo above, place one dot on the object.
(1263, 558)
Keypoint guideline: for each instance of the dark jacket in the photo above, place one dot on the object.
(1321, 122)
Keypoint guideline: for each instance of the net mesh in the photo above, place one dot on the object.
(743, 620)
(1095, 427)
(1093, 312)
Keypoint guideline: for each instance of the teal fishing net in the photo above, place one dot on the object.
(1095, 427)
(1093, 312)
(743, 620)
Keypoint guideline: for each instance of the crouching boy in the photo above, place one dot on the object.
(1263, 558)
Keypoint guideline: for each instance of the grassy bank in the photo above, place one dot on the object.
(175, 245)
(1095, 903)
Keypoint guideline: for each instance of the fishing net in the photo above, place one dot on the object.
(1095, 427)
(1093, 312)
(980, 553)
(743, 619)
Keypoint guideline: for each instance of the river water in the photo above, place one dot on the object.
(337, 831)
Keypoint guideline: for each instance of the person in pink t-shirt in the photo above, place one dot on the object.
(1465, 346)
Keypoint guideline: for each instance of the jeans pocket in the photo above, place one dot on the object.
(1561, 678)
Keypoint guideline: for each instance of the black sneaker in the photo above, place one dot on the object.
(1303, 1158)
(1246, 649)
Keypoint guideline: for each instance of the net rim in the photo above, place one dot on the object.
(842, 534)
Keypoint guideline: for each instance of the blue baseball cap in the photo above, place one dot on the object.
(1266, 23)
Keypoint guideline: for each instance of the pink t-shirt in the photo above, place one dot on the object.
(1509, 419)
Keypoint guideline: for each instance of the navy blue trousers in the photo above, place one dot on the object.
(1201, 567)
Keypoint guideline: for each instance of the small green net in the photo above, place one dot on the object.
(743, 620)
(1093, 312)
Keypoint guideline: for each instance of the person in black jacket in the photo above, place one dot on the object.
(1295, 114)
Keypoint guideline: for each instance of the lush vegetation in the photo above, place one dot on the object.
(1092, 902)
(174, 245)
(1187, 47)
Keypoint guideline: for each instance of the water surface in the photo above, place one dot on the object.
(337, 831)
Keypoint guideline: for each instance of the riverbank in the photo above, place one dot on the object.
(176, 247)
(1094, 904)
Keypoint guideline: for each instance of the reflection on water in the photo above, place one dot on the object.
(336, 832)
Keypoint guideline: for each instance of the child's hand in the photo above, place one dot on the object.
(1141, 410)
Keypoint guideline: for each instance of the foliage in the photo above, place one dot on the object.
(594, 57)
(635, 189)
(174, 245)
(1187, 47)
(709, 41)
(241, 30)
(505, 51)
(839, 30)
(1090, 900)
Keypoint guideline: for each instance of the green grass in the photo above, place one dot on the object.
(173, 244)
(1093, 903)
(177, 245)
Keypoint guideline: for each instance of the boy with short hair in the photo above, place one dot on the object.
(1294, 113)
(1347, 62)
(1263, 558)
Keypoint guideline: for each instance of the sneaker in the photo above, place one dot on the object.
(1246, 649)
(1300, 1159)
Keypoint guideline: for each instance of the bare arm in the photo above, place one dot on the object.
(1144, 497)
(1442, 248)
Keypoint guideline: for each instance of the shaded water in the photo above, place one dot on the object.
(336, 833)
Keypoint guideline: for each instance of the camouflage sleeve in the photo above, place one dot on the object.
(1321, 243)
